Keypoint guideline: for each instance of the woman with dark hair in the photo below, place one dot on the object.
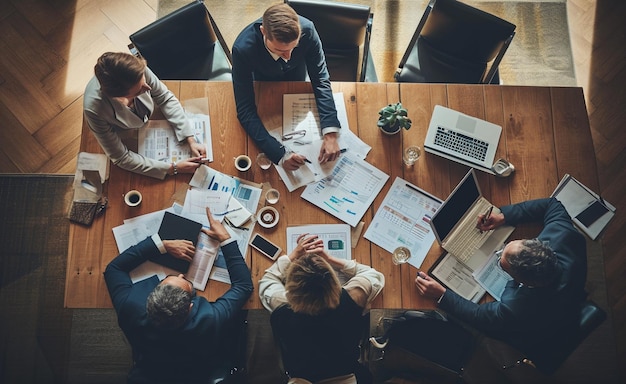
(315, 318)
(121, 97)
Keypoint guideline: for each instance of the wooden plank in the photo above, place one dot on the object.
(386, 157)
(571, 130)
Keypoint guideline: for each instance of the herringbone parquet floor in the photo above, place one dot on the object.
(48, 48)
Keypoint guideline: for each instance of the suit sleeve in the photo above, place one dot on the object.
(170, 106)
(320, 80)
(243, 86)
(116, 274)
(241, 284)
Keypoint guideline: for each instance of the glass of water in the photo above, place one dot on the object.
(401, 255)
(411, 154)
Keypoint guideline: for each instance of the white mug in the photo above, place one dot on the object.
(133, 198)
(243, 163)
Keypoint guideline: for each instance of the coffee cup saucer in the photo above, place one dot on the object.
(267, 217)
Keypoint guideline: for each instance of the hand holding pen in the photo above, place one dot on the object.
(489, 220)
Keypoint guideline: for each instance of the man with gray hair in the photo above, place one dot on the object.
(173, 333)
(538, 307)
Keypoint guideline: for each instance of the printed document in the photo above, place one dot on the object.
(403, 220)
(349, 190)
(493, 278)
(458, 277)
(300, 116)
(337, 240)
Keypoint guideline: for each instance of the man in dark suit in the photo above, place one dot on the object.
(282, 46)
(538, 307)
(174, 334)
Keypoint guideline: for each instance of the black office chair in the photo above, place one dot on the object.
(233, 352)
(184, 45)
(454, 43)
(345, 31)
(590, 318)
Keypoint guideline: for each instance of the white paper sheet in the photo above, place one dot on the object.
(349, 191)
(337, 240)
(403, 219)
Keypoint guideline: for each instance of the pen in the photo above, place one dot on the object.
(343, 150)
(487, 215)
(227, 212)
(307, 160)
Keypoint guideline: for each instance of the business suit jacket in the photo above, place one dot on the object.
(533, 320)
(107, 118)
(181, 355)
(252, 62)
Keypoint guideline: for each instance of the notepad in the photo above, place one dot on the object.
(175, 227)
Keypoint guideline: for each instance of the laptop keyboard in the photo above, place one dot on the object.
(460, 143)
(467, 238)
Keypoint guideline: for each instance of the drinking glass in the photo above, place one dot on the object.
(411, 154)
(401, 255)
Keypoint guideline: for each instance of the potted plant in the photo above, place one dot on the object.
(392, 118)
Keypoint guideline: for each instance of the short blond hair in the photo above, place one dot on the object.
(281, 23)
(312, 285)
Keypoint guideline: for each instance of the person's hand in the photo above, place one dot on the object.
(492, 222)
(330, 148)
(216, 229)
(197, 149)
(180, 249)
(294, 161)
(307, 244)
(428, 287)
(189, 165)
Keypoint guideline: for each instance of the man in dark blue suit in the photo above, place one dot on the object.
(538, 307)
(173, 333)
(282, 46)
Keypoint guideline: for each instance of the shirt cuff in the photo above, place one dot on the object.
(159, 244)
(227, 241)
(330, 130)
(288, 153)
(441, 297)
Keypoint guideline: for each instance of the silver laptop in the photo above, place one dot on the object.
(454, 224)
(462, 138)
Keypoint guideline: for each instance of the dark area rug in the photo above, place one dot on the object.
(34, 326)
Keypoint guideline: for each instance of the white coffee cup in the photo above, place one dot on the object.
(243, 163)
(272, 195)
(133, 198)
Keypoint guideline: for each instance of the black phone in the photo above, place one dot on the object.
(592, 213)
(265, 246)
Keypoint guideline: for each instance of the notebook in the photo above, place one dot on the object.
(174, 227)
(462, 138)
(454, 225)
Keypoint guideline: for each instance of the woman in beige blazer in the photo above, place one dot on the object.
(122, 96)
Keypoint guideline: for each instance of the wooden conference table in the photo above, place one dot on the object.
(545, 135)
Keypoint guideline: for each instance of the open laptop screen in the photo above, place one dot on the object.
(455, 206)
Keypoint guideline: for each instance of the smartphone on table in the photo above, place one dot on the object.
(266, 247)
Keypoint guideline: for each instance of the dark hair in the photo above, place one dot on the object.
(118, 72)
(535, 264)
(281, 22)
(312, 285)
(168, 306)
